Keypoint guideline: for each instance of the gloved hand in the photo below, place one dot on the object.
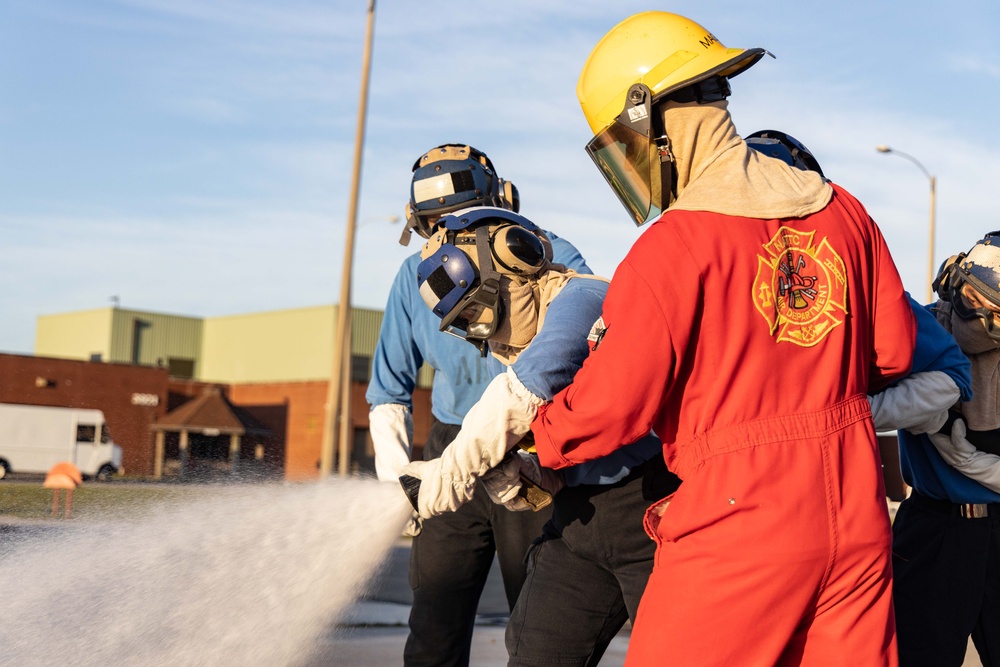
(955, 449)
(494, 425)
(439, 491)
(412, 527)
(505, 483)
(963, 456)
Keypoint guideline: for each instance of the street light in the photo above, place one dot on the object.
(930, 255)
(338, 397)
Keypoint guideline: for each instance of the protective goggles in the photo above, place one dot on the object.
(966, 311)
(514, 243)
(979, 269)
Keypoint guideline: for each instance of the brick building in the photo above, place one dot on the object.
(138, 366)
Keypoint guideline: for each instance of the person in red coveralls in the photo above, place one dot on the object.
(745, 328)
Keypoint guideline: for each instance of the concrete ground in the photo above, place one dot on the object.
(374, 631)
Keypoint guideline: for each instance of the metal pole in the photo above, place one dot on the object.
(342, 334)
(931, 274)
(931, 268)
(345, 434)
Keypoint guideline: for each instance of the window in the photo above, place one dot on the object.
(86, 432)
(105, 434)
(360, 368)
(179, 367)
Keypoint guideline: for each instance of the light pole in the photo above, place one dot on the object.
(338, 394)
(930, 253)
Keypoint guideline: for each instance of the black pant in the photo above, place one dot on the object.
(946, 583)
(587, 572)
(449, 562)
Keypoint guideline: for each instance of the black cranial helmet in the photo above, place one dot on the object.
(784, 147)
(452, 177)
(980, 269)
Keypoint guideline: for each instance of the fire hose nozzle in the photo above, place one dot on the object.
(411, 487)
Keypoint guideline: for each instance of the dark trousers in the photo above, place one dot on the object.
(587, 572)
(449, 562)
(946, 587)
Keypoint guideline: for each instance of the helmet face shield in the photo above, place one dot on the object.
(477, 316)
(450, 285)
(624, 159)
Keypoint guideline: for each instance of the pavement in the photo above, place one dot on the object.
(373, 632)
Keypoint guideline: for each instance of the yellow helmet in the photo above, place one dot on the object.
(663, 51)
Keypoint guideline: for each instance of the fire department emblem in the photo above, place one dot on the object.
(800, 289)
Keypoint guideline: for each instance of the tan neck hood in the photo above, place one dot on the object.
(718, 172)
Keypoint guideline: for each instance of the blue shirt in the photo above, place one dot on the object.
(410, 335)
(554, 356)
(922, 466)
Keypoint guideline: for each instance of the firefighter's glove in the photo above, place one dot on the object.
(439, 491)
(506, 486)
(495, 424)
(963, 456)
(391, 429)
(918, 403)
(412, 527)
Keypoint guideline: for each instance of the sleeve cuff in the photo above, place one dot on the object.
(548, 454)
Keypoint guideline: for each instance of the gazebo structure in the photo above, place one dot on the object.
(210, 415)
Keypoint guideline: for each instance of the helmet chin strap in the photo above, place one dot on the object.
(668, 169)
(489, 277)
(639, 110)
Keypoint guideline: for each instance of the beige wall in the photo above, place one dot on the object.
(274, 346)
(74, 335)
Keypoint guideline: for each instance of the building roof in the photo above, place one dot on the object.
(211, 414)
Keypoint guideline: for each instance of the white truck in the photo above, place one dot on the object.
(33, 438)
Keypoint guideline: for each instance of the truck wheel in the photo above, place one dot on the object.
(4, 468)
(105, 474)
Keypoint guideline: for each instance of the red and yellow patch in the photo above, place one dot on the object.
(800, 289)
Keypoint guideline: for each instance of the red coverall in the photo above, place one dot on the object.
(749, 346)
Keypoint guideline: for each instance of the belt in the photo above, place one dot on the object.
(964, 510)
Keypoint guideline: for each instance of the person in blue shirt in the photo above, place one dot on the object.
(451, 555)
(946, 534)
(485, 275)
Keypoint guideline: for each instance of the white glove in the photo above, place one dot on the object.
(918, 403)
(504, 483)
(412, 527)
(492, 426)
(391, 429)
(963, 456)
(439, 492)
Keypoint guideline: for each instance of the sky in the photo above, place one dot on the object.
(194, 157)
